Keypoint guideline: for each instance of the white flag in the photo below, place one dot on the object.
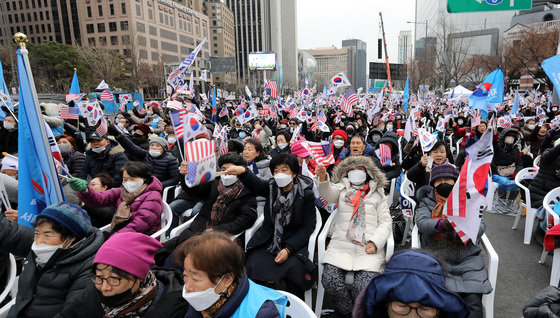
(248, 92)
(102, 85)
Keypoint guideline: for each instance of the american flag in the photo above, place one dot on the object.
(475, 121)
(177, 121)
(272, 88)
(102, 128)
(223, 112)
(322, 116)
(321, 151)
(107, 95)
(541, 114)
(67, 112)
(72, 97)
(504, 122)
(198, 149)
(350, 98)
(223, 143)
(385, 155)
(294, 112)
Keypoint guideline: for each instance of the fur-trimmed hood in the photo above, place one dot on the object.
(113, 149)
(343, 167)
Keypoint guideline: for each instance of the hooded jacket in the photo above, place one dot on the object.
(74, 161)
(109, 161)
(44, 292)
(145, 210)
(394, 170)
(341, 252)
(505, 155)
(545, 304)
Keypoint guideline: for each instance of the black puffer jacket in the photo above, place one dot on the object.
(547, 178)
(8, 140)
(168, 303)
(164, 167)
(394, 170)
(44, 292)
(545, 304)
(74, 161)
(507, 155)
(109, 161)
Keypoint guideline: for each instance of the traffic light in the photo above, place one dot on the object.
(379, 48)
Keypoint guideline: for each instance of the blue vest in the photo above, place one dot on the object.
(255, 298)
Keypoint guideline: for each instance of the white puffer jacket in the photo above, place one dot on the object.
(341, 252)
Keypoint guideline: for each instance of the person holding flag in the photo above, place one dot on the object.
(9, 135)
(420, 172)
(103, 156)
(466, 272)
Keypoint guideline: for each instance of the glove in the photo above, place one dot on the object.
(78, 184)
(113, 131)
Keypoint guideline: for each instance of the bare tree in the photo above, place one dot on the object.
(103, 64)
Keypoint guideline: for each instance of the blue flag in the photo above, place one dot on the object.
(4, 101)
(452, 93)
(406, 95)
(214, 106)
(39, 185)
(551, 67)
(515, 108)
(490, 91)
(75, 87)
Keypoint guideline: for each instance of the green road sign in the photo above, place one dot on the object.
(456, 6)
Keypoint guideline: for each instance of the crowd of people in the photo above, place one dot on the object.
(115, 182)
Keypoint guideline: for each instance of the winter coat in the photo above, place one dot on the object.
(109, 161)
(465, 270)
(276, 151)
(145, 210)
(74, 161)
(264, 169)
(9, 140)
(165, 167)
(100, 216)
(267, 310)
(44, 292)
(264, 137)
(394, 170)
(378, 223)
(168, 303)
(547, 178)
(545, 304)
(507, 155)
(303, 222)
(418, 175)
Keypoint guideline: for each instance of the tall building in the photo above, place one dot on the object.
(331, 61)
(152, 31)
(405, 47)
(222, 37)
(359, 62)
(267, 26)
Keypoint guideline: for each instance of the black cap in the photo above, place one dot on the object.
(95, 136)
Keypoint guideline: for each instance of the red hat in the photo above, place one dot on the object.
(341, 133)
(143, 127)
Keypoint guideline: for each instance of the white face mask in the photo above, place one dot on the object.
(460, 122)
(389, 128)
(172, 140)
(282, 179)
(531, 127)
(283, 126)
(508, 140)
(133, 186)
(282, 145)
(357, 176)
(98, 149)
(65, 148)
(154, 153)
(201, 301)
(121, 125)
(338, 143)
(9, 126)
(228, 179)
(44, 252)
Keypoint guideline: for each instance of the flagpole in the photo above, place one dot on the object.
(21, 40)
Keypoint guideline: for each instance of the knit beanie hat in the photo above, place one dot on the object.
(341, 133)
(445, 170)
(161, 141)
(70, 216)
(131, 252)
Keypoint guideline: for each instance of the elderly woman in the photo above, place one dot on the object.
(73, 159)
(216, 284)
(100, 216)
(282, 143)
(412, 285)
(138, 201)
(359, 230)
(280, 245)
(256, 158)
(124, 286)
(466, 272)
(420, 172)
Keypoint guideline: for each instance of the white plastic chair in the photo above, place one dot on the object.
(296, 308)
(179, 229)
(409, 205)
(12, 278)
(452, 147)
(550, 200)
(321, 242)
(6, 308)
(166, 218)
(400, 150)
(391, 195)
(526, 174)
(493, 262)
(537, 162)
(176, 190)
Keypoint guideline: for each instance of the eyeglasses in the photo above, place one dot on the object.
(112, 281)
(403, 309)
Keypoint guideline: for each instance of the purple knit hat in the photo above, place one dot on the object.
(131, 252)
(445, 170)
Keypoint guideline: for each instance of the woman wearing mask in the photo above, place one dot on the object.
(74, 160)
(58, 255)
(358, 147)
(282, 143)
(216, 284)
(303, 156)
(280, 245)
(537, 138)
(100, 216)
(122, 284)
(391, 167)
(420, 172)
(374, 136)
(256, 158)
(360, 229)
(9, 135)
(506, 163)
(339, 139)
(138, 202)
(466, 272)
(527, 130)
(163, 165)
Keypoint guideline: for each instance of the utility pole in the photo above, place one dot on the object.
(386, 55)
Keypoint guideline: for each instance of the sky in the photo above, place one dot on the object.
(324, 23)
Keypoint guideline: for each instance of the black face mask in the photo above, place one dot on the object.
(138, 136)
(444, 189)
(117, 300)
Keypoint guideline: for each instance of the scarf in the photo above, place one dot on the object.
(445, 240)
(123, 210)
(225, 196)
(253, 166)
(224, 296)
(143, 299)
(437, 212)
(357, 226)
(282, 214)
